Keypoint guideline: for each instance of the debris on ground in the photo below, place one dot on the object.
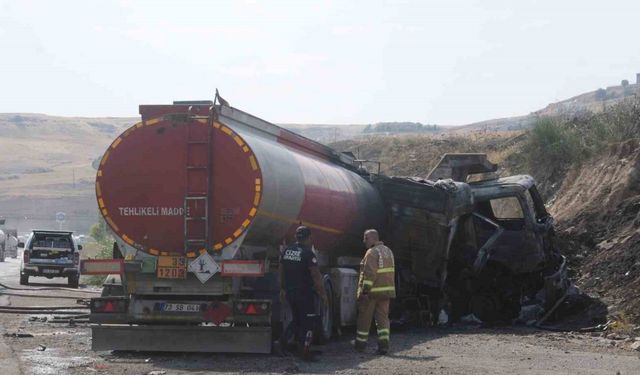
(471, 318)
(530, 314)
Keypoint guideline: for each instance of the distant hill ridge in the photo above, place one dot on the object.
(35, 125)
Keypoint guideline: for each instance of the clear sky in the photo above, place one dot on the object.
(446, 62)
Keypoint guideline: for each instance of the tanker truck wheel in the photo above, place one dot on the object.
(73, 281)
(24, 279)
(324, 330)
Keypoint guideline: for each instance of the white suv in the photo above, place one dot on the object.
(51, 254)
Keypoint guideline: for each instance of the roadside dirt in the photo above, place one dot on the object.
(63, 349)
(598, 214)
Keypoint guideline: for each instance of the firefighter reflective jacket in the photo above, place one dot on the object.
(377, 273)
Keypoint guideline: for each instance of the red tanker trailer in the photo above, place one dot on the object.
(189, 178)
(200, 197)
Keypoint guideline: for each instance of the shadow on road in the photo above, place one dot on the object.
(336, 356)
(406, 344)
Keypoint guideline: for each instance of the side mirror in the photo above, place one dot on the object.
(79, 247)
(21, 244)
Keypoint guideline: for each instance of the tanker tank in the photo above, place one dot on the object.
(194, 177)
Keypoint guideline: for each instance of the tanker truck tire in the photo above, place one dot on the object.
(24, 279)
(73, 281)
(324, 330)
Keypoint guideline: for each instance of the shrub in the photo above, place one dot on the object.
(555, 143)
(551, 143)
(105, 242)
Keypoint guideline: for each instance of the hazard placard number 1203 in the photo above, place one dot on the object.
(172, 267)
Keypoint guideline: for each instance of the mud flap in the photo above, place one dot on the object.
(162, 338)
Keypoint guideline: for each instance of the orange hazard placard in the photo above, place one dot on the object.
(170, 267)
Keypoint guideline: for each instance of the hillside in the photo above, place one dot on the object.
(593, 102)
(41, 153)
(46, 168)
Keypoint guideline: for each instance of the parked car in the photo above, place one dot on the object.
(51, 254)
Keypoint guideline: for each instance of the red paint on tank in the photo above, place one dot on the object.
(153, 177)
(329, 204)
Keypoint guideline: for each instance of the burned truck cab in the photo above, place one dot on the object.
(504, 252)
(509, 202)
(478, 244)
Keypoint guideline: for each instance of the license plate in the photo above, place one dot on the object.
(172, 267)
(181, 307)
(49, 271)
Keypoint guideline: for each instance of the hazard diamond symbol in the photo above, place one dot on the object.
(204, 267)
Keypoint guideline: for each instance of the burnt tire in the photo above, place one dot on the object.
(324, 329)
(24, 279)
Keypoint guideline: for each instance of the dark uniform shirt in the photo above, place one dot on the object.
(296, 260)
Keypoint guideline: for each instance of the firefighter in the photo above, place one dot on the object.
(299, 277)
(376, 286)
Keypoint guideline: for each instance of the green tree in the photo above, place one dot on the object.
(99, 231)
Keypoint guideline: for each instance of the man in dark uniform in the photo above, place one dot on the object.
(299, 276)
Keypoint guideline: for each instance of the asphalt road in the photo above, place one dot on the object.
(58, 349)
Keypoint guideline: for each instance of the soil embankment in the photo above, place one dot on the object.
(598, 214)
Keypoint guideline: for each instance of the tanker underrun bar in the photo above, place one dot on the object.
(101, 266)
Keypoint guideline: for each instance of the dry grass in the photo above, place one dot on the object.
(40, 154)
(416, 155)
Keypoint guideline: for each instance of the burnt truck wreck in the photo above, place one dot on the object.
(484, 248)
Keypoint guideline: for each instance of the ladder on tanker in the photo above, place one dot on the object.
(197, 234)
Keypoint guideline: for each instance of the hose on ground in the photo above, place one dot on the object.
(36, 295)
(43, 308)
(67, 321)
(80, 316)
(41, 312)
(52, 288)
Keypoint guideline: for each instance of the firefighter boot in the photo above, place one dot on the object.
(383, 347)
(359, 346)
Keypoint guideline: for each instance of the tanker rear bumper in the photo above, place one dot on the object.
(180, 338)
